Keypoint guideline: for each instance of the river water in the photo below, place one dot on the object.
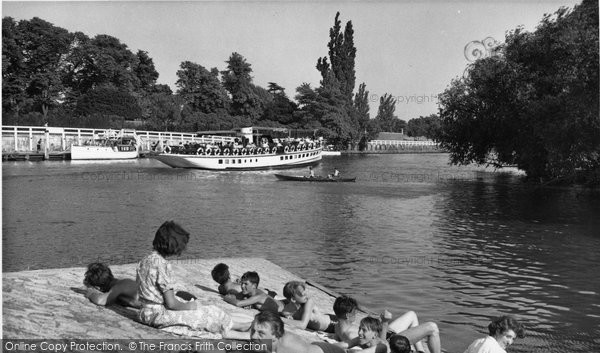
(458, 245)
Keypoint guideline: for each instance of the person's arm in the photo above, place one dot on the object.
(172, 303)
(386, 317)
(306, 313)
(256, 299)
(95, 296)
(346, 344)
(378, 347)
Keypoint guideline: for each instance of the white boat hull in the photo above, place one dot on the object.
(242, 162)
(103, 152)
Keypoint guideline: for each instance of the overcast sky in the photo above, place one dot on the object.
(409, 49)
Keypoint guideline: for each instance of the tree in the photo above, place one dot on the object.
(102, 61)
(535, 105)
(385, 114)
(145, 71)
(324, 108)
(427, 126)
(361, 104)
(108, 101)
(333, 106)
(245, 97)
(201, 89)
(34, 53)
(280, 111)
(342, 54)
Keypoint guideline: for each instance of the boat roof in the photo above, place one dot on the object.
(259, 130)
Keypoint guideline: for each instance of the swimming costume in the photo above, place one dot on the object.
(328, 347)
(271, 305)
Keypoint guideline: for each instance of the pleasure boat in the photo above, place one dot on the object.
(247, 149)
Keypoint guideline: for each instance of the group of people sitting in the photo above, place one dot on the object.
(153, 292)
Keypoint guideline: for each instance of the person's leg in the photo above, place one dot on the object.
(241, 322)
(404, 322)
(427, 330)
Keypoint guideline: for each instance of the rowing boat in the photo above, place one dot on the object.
(318, 179)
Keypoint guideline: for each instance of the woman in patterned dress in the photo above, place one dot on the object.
(156, 281)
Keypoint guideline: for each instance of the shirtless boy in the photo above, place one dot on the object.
(104, 289)
(304, 309)
(220, 273)
(406, 325)
(253, 296)
(269, 326)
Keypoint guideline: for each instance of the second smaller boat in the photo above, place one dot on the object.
(317, 179)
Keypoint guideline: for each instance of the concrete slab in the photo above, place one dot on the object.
(45, 304)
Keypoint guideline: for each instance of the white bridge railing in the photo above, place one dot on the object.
(57, 139)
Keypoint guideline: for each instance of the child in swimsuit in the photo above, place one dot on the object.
(220, 273)
(253, 296)
(104, 289)
(407, 325)
(304, 309)
(370, 336)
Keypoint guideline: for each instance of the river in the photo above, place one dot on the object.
(458, 245)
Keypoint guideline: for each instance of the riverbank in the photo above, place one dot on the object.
(395, 151)
(48, 304)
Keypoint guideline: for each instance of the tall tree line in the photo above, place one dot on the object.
(53, 76)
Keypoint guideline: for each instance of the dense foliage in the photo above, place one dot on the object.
(535, 105)
(425, 126)
(69, 79)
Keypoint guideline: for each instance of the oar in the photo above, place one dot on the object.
(336, 294)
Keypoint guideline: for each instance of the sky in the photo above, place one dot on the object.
(408, 49)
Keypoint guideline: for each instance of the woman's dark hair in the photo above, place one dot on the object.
(399, 344)
(220, 273)
(170, 239)
(273, 320)
(98, 275)
(504, 323)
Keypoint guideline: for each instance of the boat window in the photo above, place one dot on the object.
(220, 161)
(227, 161)
(239, 161)
(280, 158)
(233, 161)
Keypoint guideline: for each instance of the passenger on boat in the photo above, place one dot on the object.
(253, 296)
(503, 331)
(104, 289)
(407, 325)
(304, 309)
(220, 273)
(268, 326)
(156, 282)
(335, 174)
